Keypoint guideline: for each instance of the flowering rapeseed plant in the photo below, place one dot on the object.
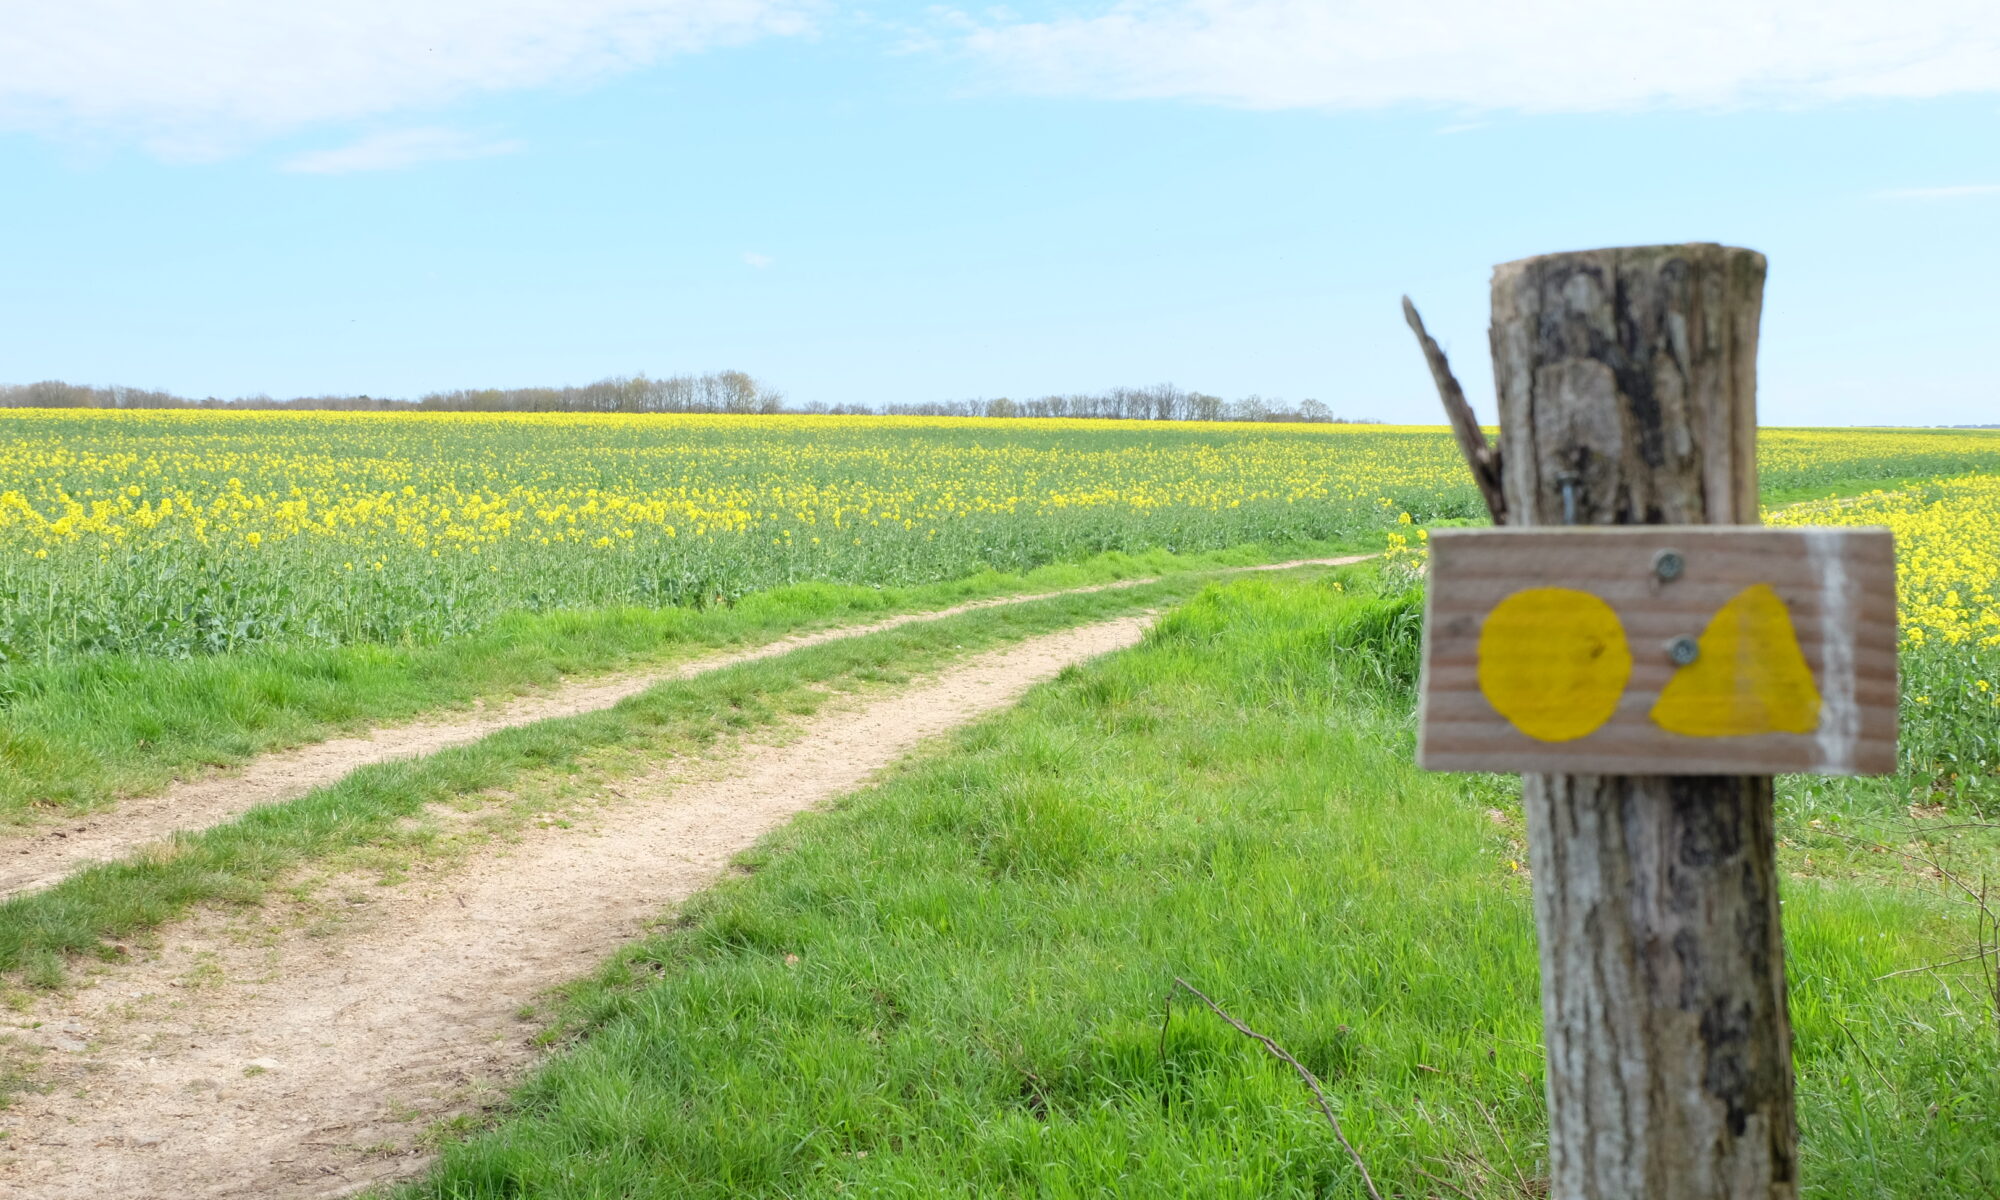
(1948, 578)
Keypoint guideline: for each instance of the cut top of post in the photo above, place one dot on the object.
(1627, 383)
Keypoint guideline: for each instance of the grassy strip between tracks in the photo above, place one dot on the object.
(953, 983)
(238, 860)
(78, 735)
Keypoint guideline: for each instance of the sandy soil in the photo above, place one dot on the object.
(287, 1061)
(42, 856)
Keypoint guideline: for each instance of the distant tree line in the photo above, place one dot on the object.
(1161, 402)
(718, 392)
(53, 393)
(721, 392)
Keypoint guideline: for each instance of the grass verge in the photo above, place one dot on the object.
(953, 984)
(1841, 489)
(78, 735)
(238, 860)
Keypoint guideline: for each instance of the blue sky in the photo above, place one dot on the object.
(907, 203)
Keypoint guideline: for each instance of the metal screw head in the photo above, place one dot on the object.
(1569, 481)
(1668, 564)
(1683, 650)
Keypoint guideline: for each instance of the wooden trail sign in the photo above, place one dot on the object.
(1627, 383)
(1660, 650)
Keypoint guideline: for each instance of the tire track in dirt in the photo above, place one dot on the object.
(295, 1065)
(42, 857)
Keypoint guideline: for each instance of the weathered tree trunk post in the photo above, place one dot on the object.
(1627, 384)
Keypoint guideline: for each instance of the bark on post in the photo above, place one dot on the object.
(1627, 385)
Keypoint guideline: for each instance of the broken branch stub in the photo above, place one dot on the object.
(1480, 457)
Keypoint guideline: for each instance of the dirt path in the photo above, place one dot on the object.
(290, 1065)
(43, 856)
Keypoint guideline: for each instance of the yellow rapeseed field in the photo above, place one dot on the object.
(182, 532)
(1948, 585)
(189, 532)
(1948, 570)
(472, 482)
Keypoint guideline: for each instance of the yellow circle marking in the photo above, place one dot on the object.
(1553, 661)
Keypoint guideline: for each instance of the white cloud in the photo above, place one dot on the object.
(1524, 55)
(1942, 193)
(194, 77)
(759, 261)
(398, 148)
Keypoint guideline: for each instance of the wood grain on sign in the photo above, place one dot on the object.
(1660, 650)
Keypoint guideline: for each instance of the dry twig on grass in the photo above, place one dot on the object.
(1311, 1080)
(1986, 920)
(1446, 1182)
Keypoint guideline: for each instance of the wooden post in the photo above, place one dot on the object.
(1627, 386)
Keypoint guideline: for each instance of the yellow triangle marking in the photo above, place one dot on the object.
(1750, 677)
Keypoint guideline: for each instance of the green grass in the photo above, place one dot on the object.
(77, 735)
(953, 984)
(375, 804)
